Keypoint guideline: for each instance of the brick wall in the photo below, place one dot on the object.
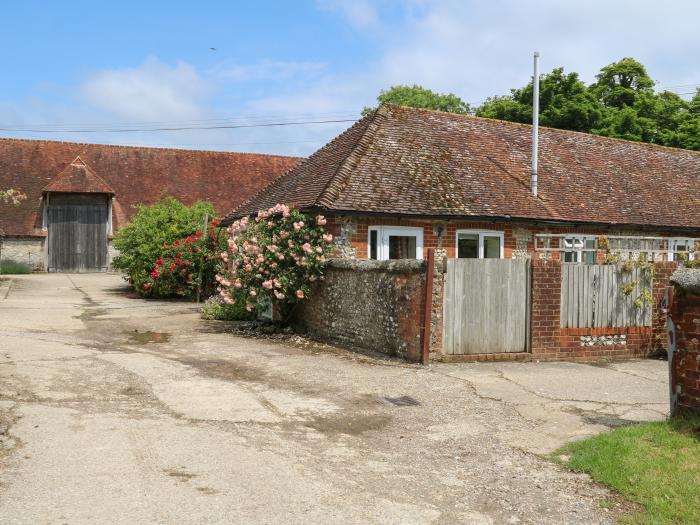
(376, 305)
(685, 362)
(551, 342)
(351, 232)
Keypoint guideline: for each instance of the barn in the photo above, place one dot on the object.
(78, 195)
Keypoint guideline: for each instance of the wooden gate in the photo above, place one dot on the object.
(77, 226)
(593, 295)
(487, 306)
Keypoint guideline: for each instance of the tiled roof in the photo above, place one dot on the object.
(135, 175)
(415, 162)
(78, 178)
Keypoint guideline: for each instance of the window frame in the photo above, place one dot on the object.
(688, 241)
(481, 233)
(578, 251)
(383, 234)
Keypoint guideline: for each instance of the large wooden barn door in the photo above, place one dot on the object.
(77, 227)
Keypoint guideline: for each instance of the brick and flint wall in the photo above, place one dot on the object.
(375, 305)
(380, 305)
(684, 311)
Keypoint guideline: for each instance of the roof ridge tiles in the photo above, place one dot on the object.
(152, 148)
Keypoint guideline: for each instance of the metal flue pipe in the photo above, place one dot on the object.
(535, 122)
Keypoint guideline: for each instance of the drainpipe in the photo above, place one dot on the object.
(535, 121)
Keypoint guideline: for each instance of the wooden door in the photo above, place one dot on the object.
(487, 306)
(77, 227)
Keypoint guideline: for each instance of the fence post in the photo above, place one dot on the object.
(428, 313)
(201, 257)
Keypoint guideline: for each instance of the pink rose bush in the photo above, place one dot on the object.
(273, 258)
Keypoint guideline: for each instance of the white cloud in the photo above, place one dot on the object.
(360, 13)
(152, 91)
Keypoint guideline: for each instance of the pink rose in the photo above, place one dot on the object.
(319, 249)
(248, 268)
(321, 220)
(252, 292)
(306, 247)
(267, 285)
(300, 294)
(327, 237)
(279, 295)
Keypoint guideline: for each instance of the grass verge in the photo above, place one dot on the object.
(656, 465)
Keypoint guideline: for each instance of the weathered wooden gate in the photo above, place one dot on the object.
(77, 227)
(595, 295)
(487, 306)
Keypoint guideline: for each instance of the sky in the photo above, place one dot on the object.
(91, 67)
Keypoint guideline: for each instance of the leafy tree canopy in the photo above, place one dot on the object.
(420, 97)
(621, 103)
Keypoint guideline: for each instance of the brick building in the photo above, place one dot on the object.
(78, 195)
(402, 180)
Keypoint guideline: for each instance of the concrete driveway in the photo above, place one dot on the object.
(118, 410)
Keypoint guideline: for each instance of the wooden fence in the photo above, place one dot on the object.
(603, 296)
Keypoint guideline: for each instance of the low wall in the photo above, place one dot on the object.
(27, 250)
(684, 334)
(31, 251)
(376, 305)
(550, 342)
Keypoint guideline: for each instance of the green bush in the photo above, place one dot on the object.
(10, 267)
(216, 310)
(140, 242)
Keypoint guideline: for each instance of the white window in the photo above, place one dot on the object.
(578, 249)
(681, 249)
(479, 244)
(394, 242)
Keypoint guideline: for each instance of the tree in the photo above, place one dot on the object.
(565, 103)
(621, 83)
(621, 103)
(419, 97)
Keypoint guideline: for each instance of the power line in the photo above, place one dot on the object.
(242, 119)
(180, 128)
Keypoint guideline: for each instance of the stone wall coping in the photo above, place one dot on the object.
(367, 265)
(687, 279)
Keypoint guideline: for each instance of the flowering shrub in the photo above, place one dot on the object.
(187, 266)
(140, 241)
(273, 258)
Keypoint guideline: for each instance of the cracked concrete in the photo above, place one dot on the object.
(118, 410)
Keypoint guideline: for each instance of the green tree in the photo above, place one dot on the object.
(621, 83)
(141, 241)
(621, 103)
(420, 97)
(565, 103)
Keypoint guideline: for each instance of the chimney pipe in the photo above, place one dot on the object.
(535, 121)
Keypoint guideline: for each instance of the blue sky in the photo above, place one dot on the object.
(97, 65)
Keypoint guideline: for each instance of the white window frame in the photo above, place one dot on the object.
(674, 241)
(578, 245)
(383, 234)
(481, 234)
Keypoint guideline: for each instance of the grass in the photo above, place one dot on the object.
(656, 465)
(9, 267)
